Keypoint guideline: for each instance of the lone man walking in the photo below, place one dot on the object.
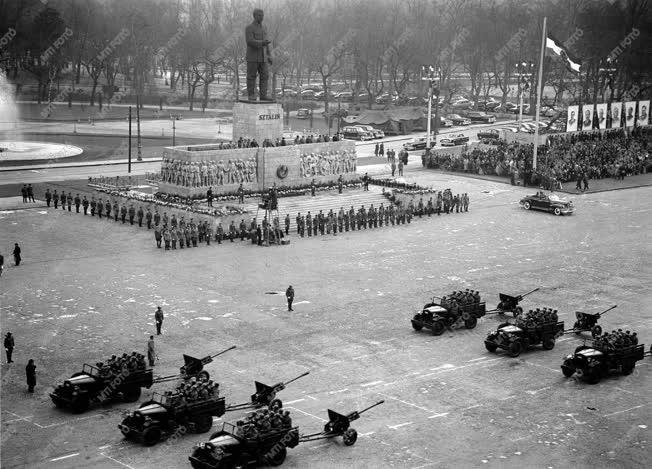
(151, 351)
(9, 346)
(158, 316)
(17, 257)
(289, 294)
(30, 371)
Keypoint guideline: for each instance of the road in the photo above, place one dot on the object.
(88, 289)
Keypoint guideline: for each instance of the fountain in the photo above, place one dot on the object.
(17, 149)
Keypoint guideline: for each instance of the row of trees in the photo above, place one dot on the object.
(374, 47)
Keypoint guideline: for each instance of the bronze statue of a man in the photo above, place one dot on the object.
(258, 56)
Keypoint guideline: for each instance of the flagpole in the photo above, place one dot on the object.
(539, 89)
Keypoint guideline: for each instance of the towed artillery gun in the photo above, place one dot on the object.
(339, 425)
(193, 368)
(93, 385)
(509, 303)
(226, 449)
(515, 339)
(589, 322)
(438, 317)
(265, 395)
(166, 415)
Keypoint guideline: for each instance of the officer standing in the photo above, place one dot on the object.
(287, 223)
(108, 209)
(9, 346)
(151, 351)
(132, 214)
(313, 188)
(148, 218)
(116, 211)
(352, 218)
(17, 257)
(233, 233)
(30, 371)
(340, 184)
(62, 199)
(93, 206)
(100, 208)
(77, 202)
(173, 237)
(219, 233)
(158, 317)
(141, 214)
(381, 214)
(123, 213)
(48, 196)
(289, 294)
(297, 220)
(243, 230)
(55, 197)
(240, 194)
(69, 200)
(209, 232)
(84, 204)
(166, 237)
(180, 237)
(157, 218)
(157, 235)
(309, 223)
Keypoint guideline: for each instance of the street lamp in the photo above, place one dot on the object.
(524, 75)
(608, 69)
(430, 74)
(174, 118)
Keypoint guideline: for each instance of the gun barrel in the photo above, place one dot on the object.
(223, 351)
(300, 376)
(370, 407)
(526, 294)
(607, 310)
(162, 379)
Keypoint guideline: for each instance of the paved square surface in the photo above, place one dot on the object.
(87, 290)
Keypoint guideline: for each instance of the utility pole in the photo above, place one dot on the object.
(140, 156)
(428, 74)
(129, 145)
(524, 75)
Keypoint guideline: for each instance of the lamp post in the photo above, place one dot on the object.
(140, 155)
(524, 76)
(430, 74)
(174, 129)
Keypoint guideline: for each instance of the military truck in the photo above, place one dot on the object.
(592, 364)
(438, 317)
(515, 339)
(93, 385)
(166, 415)
(226, 449)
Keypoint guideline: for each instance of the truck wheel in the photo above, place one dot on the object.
(567, 369)
(80, 404)
(576, 328)
(628, 367)
(592, 375)
(596, 331)
(416, 326)
(131, 394)
(437, 327)
(526, 205)
(151, 435)
(548, 343)
(490, 346)
(515, 349)
(517, 311)
(203, 423)
(557, 211)
(350, 436)
(277, 457)
(203, 376)
(471, 322)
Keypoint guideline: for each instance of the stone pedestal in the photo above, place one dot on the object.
(257, 120)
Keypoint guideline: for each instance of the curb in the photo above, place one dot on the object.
(79, 164)
(499, 180)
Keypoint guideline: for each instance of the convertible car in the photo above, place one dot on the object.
(548, 203)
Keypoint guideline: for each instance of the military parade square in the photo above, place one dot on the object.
(243, 293)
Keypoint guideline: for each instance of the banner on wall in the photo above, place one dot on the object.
(616, 113)
(643, 112)
(571, 123)
(630, 113)
(587, 116)
(601, 112)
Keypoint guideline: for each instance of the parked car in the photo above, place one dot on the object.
(289, 92)
(477, 116)
(377, 133)
(490, 136)
(303, 113)
(445, 122)
(458, 120)
(452, 140)
(356, 133)
(345, 96)
(548, 203)
(510, 107)
(493, 106)
(417, 143)
(308, 94)
(462, 104)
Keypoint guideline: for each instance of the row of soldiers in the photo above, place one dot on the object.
(193, 390)
(537, 317)
(444, 202)
(615, 340)
(116, 365)
(262, 422)
(460, 298)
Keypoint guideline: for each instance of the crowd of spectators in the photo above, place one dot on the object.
(565, 158)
